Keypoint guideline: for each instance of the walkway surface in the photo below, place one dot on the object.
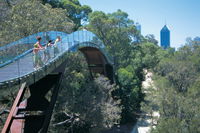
(11, 71)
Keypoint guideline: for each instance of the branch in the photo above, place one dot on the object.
(67, 114)
(72, 118)
(4, 112)
(63, 122)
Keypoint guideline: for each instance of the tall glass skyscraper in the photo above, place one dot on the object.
(165, 37)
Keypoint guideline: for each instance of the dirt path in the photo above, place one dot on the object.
(143, 124)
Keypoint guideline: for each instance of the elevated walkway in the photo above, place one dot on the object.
(17, 67)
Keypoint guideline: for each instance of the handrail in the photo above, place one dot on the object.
(18, 57)
(27, 37)
(31, 39)
(16, 103)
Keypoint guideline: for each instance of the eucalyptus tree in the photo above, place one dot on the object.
(178, 91)
(31, 16)
(117, 32)
(75, 11)
(84, 105)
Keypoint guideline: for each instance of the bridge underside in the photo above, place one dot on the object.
(97, 62)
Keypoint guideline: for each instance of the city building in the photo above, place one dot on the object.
(165, 37)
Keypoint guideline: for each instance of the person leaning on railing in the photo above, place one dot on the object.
(37, 57)
(37, 45)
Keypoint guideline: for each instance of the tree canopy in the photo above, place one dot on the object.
(177, 82)
(131, 53)
(29, 17)
(86, 105)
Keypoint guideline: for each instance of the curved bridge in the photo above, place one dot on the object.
(16, 59)
(17, 66)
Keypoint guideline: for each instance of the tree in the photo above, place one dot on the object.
(129, 94)
(53, 3)
(85, 105)
(75, 11)
(194, 41)
(4, 11)
(29, 17)
(117, 31)
(151, 38)
(178, 91)
(150, 58)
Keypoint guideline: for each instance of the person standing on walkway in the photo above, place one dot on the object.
(47, 55)
(56, 50)
(36, 53)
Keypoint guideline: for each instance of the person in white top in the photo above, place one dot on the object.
(56, 50)
(47, 55)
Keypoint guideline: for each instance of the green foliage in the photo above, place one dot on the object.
(151, 38)
(194, 41)
(86, 105)
(116, 30)
(178, 91)
(129, 93)
(75, 11)
(125, 77)
(170, 126)
(53, 3)
(29, 17)
(87, 102)
(150, 58)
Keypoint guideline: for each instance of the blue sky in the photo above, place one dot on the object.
(181, 16)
